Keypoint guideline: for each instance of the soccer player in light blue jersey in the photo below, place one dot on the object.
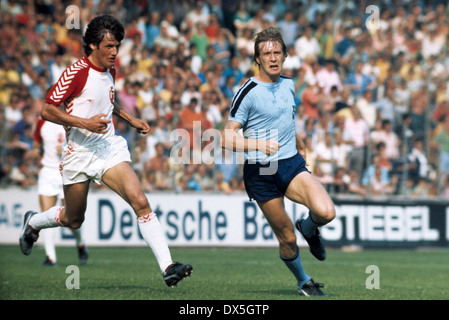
(275, 166)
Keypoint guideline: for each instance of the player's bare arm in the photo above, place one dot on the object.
(301, 147)
(141, 125)
(95, 124)
(232, 140)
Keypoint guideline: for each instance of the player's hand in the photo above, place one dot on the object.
(97, 124)
(269, 147)
(141, 126)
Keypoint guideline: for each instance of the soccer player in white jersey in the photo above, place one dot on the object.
(48, 138)
(83, 101)
(275, 166)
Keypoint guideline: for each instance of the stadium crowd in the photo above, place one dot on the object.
(372, 90)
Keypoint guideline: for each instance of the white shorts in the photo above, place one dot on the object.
(90, 163)
(49, 183)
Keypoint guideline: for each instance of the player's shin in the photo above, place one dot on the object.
(152, 233)
(295, 266)
(47, 219)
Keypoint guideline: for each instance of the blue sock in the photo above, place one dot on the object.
(309, 226)
(295, 266)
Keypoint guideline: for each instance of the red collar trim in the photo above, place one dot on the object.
(86, 59)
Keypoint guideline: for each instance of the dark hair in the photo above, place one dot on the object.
(98, 27)
(269, 34)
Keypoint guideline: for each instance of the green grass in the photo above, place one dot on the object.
(222, 274)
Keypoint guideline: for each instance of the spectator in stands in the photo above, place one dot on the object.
(311, 98)
(340, 151)
(445, 188)
(329, 77)
(27, 119)
(292, 62)
(169, 22)
(400, 56)
(148, 180)
(324, 157)
(401, 97)
(367, 108)
(200, 40)
(391, 141)
(162, 132)
(441, 112)
(323, 126)
(163, 39)
(341, 179)
(233, 70)
(191, 181)
(371, 69)
(212, 28)
(289, 28)
(156, 161)
(432, 42)
(300, 122)
(353, 56)
(163, 178)
(441, 141)
(256, 23)
(128, 98)
(190, 118)
(417, 157)
(221, 185)
(358, 82)
(384, 161)
(307, 44)
(377, 185)
(204, 177)
(386, 107)
(223, 47)
(13, 112)
(358, 130)
(354, 186)
(345, 44)
(198, 14)
(152, 29)
(141, 154)
(23, 175)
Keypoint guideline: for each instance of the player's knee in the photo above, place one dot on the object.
(325, 214)
(139, 202)
(329, 213)
(288, 240)
(75, 223)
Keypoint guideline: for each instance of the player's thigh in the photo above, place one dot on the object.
(307, 190)
(75, 198)
(122, 179)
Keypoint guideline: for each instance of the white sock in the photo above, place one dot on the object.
(46, 219)
(49, 243)
(152, 233)
(78, 236)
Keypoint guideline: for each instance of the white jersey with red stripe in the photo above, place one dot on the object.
(52, 137)
(84, 90)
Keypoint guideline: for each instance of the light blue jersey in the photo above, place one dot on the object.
(267, 111)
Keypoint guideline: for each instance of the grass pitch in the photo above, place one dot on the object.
(254, 274)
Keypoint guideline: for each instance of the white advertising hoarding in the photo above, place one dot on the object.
(199, 219)
(187, 219)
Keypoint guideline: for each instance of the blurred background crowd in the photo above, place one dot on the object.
(371, 83)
